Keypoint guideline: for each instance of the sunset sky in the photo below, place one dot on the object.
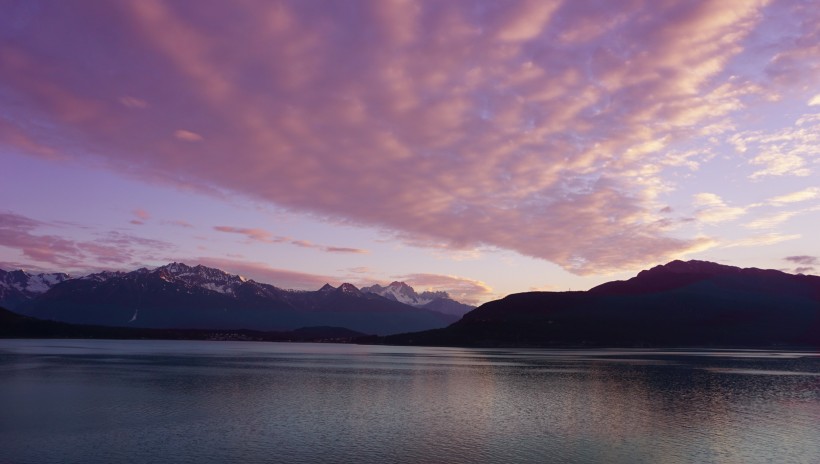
(478, 147)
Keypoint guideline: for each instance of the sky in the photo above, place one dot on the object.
(477, 147)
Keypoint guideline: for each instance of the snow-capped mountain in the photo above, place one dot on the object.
(201, 276)
(181, 296)
(18, 286)
(403, 293)
(350, 289)
(179, 273)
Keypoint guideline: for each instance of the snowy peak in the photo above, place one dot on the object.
(19, 286)
(349, 289)
(200, 276)
(403, 293)
(327, 288)
(437, 301)
(182, 274)
(105, 275)
(177, 268)
(30, 284)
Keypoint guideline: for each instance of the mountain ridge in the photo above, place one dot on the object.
(198, 297)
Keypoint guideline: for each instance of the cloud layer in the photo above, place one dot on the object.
(542, 127)
(56, 252)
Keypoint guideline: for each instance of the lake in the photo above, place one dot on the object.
(98, 401)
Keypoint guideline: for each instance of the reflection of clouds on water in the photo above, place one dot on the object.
(214, 401)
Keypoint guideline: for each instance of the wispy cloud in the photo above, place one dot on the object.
(333, 249)
(804, 260)
(771, 221)
(786, 152)
(252, 234)
(267, 237)
(794, 197)
(762, 240)
(805, 264)
(56, 252)
(180, 223)
(712, 209)
(187, 135)
(141, 216)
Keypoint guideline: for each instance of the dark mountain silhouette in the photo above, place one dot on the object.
(184, 297)
(448, 306)
(692, 303)
(14, 325)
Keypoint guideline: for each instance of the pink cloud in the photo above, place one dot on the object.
(187, 135)
(265, 236)
(51, 251)
(142, 214)
(333, 249)
(180, 223)
(518, 125)
(141, 217)
(16, 232)
(252, 234)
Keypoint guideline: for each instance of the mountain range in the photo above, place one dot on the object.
(679, 304)
(692, 303)
(178, 296)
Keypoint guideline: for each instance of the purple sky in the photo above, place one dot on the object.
(478, 147)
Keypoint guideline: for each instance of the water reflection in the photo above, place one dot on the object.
(104, 401)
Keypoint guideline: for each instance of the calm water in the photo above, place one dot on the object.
(170, 401)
